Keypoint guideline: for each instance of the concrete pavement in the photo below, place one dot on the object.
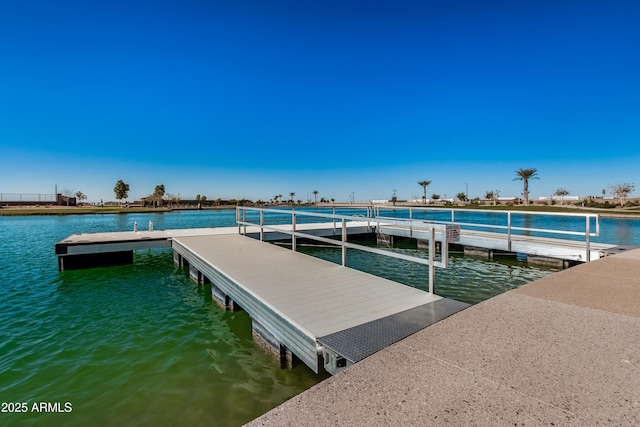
(563, 350)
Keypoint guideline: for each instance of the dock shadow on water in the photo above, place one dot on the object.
(139, 344)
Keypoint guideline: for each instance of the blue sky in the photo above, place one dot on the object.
(250, 99)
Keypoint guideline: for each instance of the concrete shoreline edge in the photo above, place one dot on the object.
(561, 350)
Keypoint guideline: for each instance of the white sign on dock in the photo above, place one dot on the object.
(453, 233)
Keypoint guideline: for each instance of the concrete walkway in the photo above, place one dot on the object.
(563, 350)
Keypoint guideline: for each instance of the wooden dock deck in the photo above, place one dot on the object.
(303, 304)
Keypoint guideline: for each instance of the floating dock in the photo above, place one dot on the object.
(302, 308)
(326, 315)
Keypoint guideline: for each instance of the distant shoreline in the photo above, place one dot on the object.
(80, 210)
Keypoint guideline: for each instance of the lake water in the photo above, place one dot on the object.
(143, 345)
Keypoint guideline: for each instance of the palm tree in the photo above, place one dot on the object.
(525, 175)
(424, 188)
(315, 195)
(291, 196)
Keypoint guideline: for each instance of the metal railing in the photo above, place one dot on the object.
(27, 197)
(287, 221)
(508, 227)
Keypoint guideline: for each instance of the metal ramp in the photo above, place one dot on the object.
(350, 346)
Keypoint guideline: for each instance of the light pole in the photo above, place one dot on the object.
(467, 192)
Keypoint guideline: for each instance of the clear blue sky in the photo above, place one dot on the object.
(251, 99)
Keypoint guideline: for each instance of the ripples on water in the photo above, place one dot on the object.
(138, 344)
(142, 344)
(467, 279)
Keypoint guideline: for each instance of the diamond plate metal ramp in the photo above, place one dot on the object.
(359, 342)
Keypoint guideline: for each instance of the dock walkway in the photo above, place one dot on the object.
(563, 351)
(311, 306)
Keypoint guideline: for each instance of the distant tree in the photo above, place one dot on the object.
(80, 196)
(315, 196)
(492, 195)
(462, 197)
(525, 175)
(158, 195)
(173, 199)
(394, 199)
(66, 195)
(121, 190)
(291, 194)
(424, 189)
(562, 193)
(435, 196)
(622, 191)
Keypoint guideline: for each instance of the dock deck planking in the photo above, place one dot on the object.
(319, 296)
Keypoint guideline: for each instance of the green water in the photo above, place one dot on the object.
(144, 345)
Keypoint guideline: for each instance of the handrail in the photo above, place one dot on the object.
(243, 222)
(587, 233)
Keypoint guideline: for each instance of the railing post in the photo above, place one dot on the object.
(244, 220)
(238, 219)
(410, 214)
(588, 238)
(453, 216)
(334, 221)
(432, 253)
(293, 225)
(344, 240)
(261, 225)
(509, 231)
